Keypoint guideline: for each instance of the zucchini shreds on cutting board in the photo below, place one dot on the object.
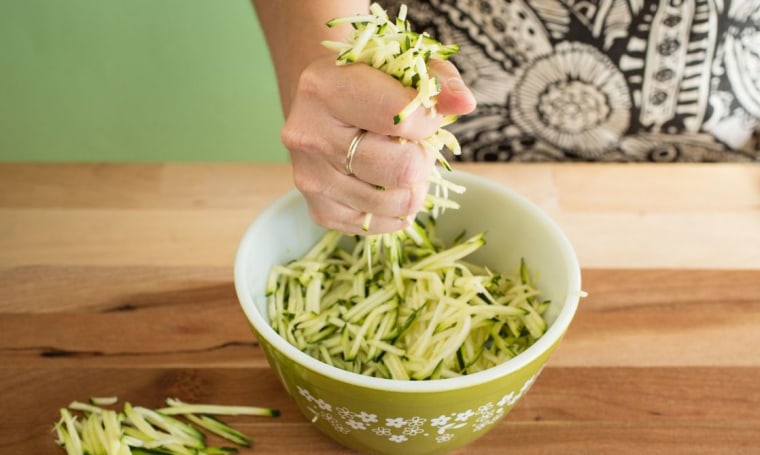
(92, 429)
(418, 311)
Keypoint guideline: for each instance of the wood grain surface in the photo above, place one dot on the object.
(117, 280)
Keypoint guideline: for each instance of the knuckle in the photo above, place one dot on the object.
(416, 198)
(320, 218)
(310, 81)
(299, 133)
(409, 202)
(305, 182)
(408, 174)
(298, 137)
(413, 169)
(295, 138)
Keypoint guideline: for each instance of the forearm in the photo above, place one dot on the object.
(294, 30)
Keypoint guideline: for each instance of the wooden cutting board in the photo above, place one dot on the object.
(117, 280)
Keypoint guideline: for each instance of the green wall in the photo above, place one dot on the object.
(136, 80)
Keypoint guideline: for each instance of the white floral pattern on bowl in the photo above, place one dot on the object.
(403, 429)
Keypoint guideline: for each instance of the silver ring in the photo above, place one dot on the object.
(352, 151)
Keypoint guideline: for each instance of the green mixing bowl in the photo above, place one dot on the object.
(387, 416)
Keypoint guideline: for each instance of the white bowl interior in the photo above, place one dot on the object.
(515, 228)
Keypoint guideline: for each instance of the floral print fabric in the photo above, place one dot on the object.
(604, 80)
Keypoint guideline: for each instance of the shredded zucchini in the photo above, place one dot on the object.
(91, 429)
(418, 311)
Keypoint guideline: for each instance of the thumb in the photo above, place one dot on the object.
(455, 98)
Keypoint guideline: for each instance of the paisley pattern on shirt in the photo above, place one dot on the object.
(604, 80)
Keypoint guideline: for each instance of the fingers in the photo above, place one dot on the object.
(366, 98)
(319, 181)
(390, 162)
(390, 181)
(341, 202)
(455, 98)
(355, 87)
(332, 215)
(365, 198)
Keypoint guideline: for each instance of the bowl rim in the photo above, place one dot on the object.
(553, 334)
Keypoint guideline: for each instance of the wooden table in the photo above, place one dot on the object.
(117, 280)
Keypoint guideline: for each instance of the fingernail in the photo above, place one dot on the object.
(456, 85)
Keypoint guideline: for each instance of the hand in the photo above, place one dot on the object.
(331, 105)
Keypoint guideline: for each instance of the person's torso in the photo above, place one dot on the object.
(604, 80)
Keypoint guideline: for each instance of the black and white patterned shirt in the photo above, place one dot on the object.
(604, 80)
